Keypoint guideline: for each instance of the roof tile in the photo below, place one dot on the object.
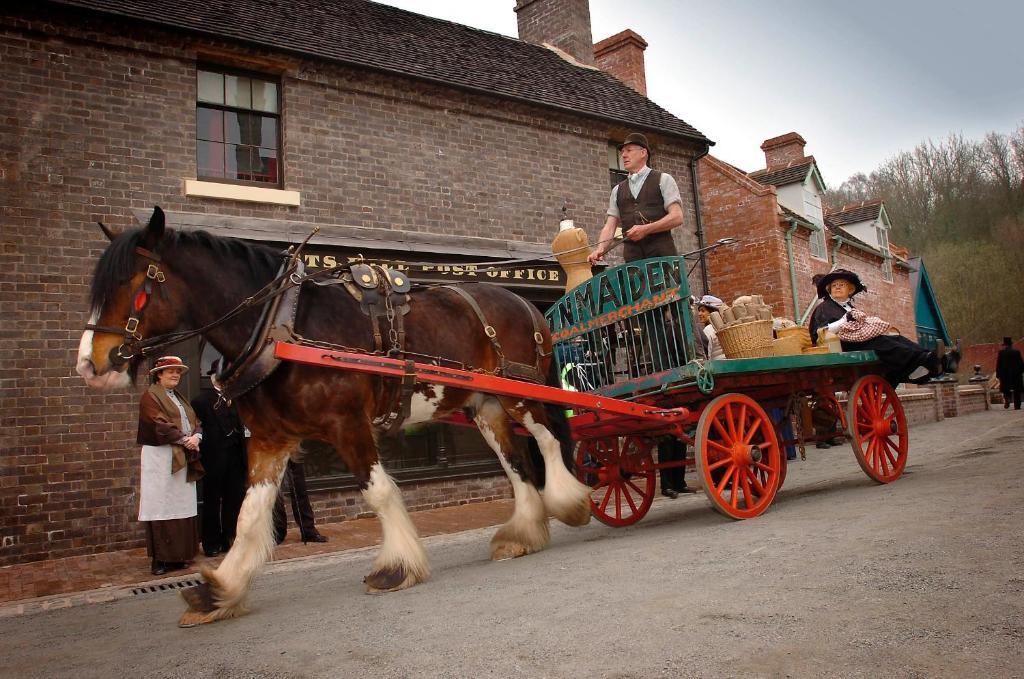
(385, 38)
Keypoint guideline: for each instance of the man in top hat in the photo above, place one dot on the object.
(903, 360)
(223, 453)
(1010, 371)
(646, 205)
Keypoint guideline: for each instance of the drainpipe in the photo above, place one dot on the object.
(792, 266)
(700, 223)
(835, 251)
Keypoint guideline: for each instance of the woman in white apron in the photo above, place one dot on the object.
(170, 434)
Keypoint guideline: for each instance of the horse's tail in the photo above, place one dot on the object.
(559, 425)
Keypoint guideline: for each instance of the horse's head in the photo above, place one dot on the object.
(131, 300)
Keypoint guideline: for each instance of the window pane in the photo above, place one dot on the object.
(210, 87)
(231, 156)
(209, 159)
(268, 133)
(237, 91)
(209, 124)
(233, 127)
(267, 166)
(264, 96)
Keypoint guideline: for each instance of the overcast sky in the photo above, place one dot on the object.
(859, 80)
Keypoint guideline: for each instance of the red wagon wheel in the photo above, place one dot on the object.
(738, 456)
(622, 478)
(878, 428)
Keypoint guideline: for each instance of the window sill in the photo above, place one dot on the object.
(252, 194)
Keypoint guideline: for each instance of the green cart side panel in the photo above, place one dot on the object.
(625, 322)
(737, 367)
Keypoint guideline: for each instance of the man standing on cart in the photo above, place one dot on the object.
(647, 206)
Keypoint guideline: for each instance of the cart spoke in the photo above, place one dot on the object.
(758, 485)
(719, 447)
(604, 501)
(618, 501)
(741, 423)
(753, 430)
(721, 431)
(720, 488)
(720, 463)
(730, 420)
(735, 498)
(892, 445)
(629, 482)
(629, 498)
(893, 459)
(748, 496)
(881, 456)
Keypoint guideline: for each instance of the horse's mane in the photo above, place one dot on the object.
(119, 262)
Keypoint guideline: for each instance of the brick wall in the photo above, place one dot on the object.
(972, 399)
(736, 207)
(732, 205)
(784, 150)
(919, 406)
(622, 55)
(96, 124)
(984, 355)
(891, 301)
(564, 24)
(340, 505)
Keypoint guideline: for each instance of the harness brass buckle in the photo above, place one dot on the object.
(154, 272)
(490, 331)
(132, 328)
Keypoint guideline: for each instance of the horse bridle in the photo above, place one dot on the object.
(132, 342)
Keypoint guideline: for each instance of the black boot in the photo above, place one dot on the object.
(315, 536)
(157, 567)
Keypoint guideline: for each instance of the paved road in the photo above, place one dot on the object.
(842, 577)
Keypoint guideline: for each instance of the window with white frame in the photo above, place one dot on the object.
(616, 173)
(818, 243)
(812, 206)
(883, 245)
(238, 130)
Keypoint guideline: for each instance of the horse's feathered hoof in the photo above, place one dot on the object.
(386, 580)
(192, 618)
(199, 599)
(508, 550)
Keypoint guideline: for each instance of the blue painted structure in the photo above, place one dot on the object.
(931, 327)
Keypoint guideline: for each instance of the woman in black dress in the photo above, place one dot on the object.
(904, 360)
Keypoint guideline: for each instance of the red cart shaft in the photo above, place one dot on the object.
(474, 381)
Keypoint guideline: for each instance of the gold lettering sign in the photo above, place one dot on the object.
(535, 275)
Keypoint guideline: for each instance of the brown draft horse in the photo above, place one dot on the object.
(205, 276)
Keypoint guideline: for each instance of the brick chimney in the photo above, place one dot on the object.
(564, 24)
(779, 152)
(622, 56)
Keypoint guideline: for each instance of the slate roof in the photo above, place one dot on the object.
(790, 174)
(392, 40)
(852, 214)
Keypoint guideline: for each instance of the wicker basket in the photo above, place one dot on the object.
(814, 350)
(798, 331)
(747, 340)
(787, 346)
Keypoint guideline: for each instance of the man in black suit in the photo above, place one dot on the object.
(295, 481)
(223, 454)
(1010, 371)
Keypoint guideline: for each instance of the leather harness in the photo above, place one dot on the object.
(382, 293)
